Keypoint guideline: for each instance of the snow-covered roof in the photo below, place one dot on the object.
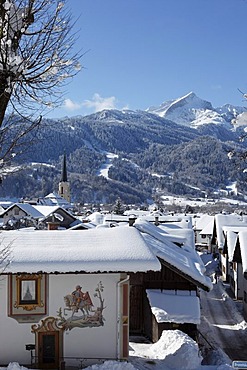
(227, 220)
(231, 233)
(186, 260)
(27, 208)
(208, 229)
(46, 210)
(205, 221)
(235, 229)
(136, 212)
(231, 238)
(98, 250)
(159, 233)
(178, 307)
(6, 204)
(82, 226)
(113, 217)
(96, 218)
(49, 210)
(185, 234)
(55, 195)
(205, 225)
(54, 199)
(183, 221)
(163, 218)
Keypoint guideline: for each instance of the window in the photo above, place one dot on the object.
(16, 211)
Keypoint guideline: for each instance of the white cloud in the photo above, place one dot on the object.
(96, 104)
(70, 105)
(99, 103)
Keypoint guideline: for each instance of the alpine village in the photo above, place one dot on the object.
(123, 233)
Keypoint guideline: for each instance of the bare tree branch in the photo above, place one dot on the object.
(36, 62)
(5, 253)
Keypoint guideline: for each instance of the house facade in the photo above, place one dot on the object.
(242, 260)
(203, 228)
(38, 312)
(60, 215)
(65, 295)
(167, 299)
(223, 223)
(230, 237)
(233, 259)
(20, 215)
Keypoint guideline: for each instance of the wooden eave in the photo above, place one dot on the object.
(187, 277)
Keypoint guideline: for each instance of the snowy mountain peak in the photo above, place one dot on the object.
(188, 101)
(193, 100)
(190, 110)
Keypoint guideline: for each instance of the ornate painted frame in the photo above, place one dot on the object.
(27, 295)
(28, 292)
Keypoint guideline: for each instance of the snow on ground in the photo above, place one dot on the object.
(181, 201)
(222, 321)
(211, 264)
(174, 351)
(105, 167)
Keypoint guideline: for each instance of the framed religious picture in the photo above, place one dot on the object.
(27, 294)
(29, 291)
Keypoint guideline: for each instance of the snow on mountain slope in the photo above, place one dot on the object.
(192, 111)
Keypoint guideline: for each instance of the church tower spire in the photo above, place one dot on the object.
(64, 177)
(63, 187)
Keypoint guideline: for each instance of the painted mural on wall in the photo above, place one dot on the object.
(83, 311)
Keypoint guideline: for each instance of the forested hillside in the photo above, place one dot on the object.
(151, 154)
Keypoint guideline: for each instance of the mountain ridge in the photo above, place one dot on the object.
(192, 111)
(154, 144)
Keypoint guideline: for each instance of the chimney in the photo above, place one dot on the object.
(132, 219)
(53, 225)
(156, 219)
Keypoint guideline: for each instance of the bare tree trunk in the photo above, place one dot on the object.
(4, 100)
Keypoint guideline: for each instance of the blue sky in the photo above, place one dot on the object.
(140, 53)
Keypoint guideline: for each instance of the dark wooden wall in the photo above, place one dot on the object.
(141, 318)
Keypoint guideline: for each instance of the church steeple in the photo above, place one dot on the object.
(63, 187)
(64, 177)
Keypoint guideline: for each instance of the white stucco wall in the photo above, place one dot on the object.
(88, 342)
(78, 342)
(13, 336)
